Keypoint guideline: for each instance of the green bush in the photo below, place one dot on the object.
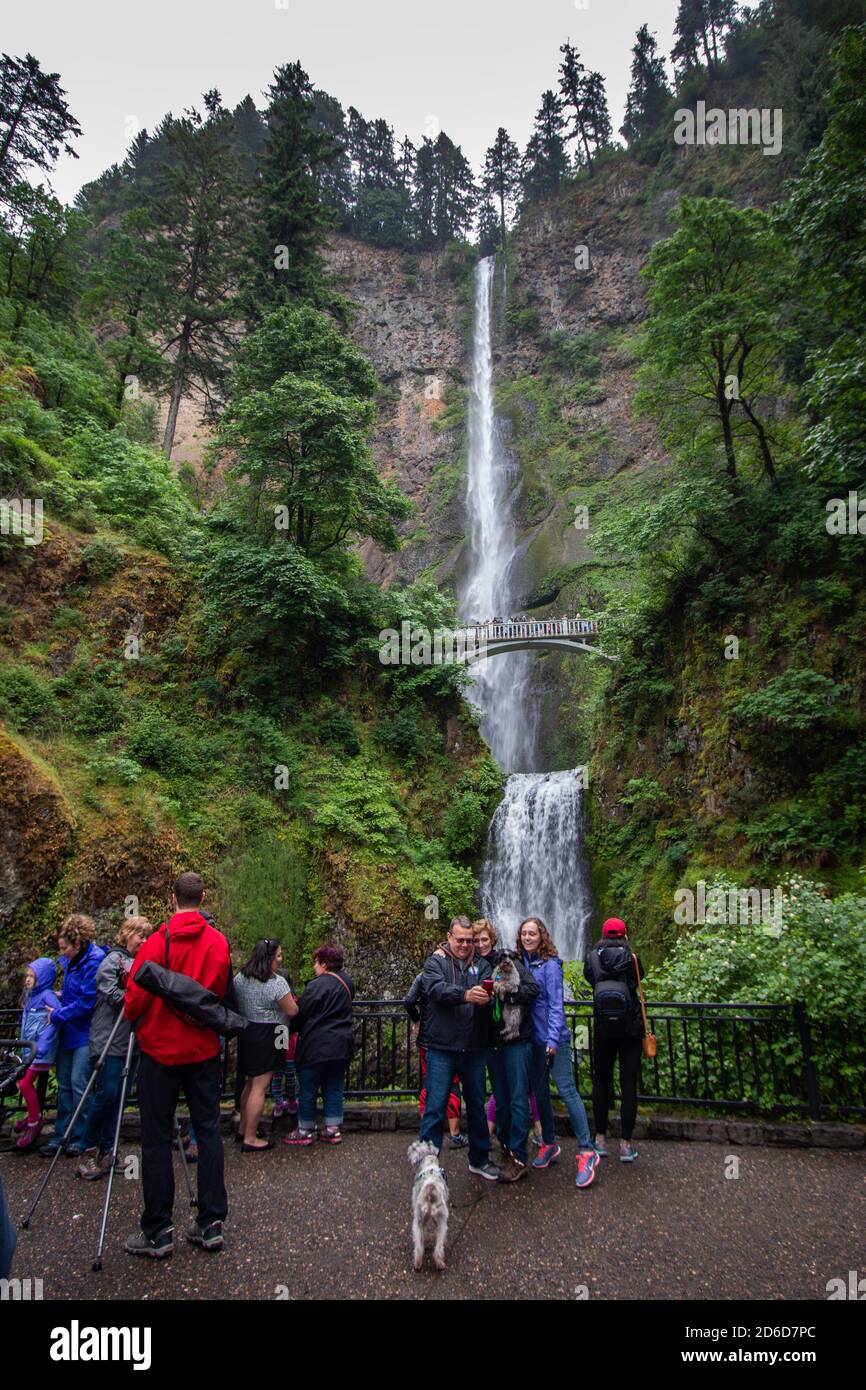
(101, 559)
(99, 710)
(27, 699)
(402, 734)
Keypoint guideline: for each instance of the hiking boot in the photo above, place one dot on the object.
(157, 1249)
(95, 1165)
(486, 1170)
(208, 1237)
(547, 1154)
(331, 1135)
(587, 1162)
(513, 1169)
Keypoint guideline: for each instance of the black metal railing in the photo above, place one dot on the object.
(762, 1059)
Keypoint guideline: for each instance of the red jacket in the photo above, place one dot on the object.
(196, 949)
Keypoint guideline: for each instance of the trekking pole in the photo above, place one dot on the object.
(124, 1083)
(62, 1146)
(183, 1162)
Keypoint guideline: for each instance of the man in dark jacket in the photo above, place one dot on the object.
(176, 1052)
(510, 1062)
(455, 1024)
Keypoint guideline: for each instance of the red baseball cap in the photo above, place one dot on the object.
(614, 926)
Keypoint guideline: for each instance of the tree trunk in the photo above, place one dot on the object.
(177, 389)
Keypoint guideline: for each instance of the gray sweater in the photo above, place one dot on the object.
(110, 987)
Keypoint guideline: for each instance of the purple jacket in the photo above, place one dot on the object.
(36, 1024)
(549, 1028)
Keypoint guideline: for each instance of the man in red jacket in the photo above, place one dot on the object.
(177, 1053)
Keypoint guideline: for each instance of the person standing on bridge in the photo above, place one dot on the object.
(619, 1029)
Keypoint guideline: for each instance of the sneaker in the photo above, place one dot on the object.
(158, 1249)
(587, 1162)
(293, 1106)
(458, 1141)
(190, 1153)
(536, 1140)
(513, 1169)
(547, 1154)
(208, 1237)
(47, 1150)
(300, 1136)
(486, 1170)
(331, 1135)
(28, 1135)
(601, 1148)
(627, 1154)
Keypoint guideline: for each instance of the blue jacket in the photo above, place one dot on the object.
(549, 1028)
(36, 1021)
(78, 998)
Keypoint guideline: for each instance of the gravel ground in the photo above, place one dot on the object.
(334, 1223)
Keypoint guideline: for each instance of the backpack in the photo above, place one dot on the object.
(611, 994)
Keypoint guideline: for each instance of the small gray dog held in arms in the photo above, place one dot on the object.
(505, 981)
(429, 1204)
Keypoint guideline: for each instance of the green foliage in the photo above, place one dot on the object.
(791, 704)
(401, 733)
(101, 559)
(27, 699)
(360, 806)
(99, 710)
(337, 729)
(465, 822)
(260, 891)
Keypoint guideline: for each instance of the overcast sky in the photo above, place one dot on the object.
(465, 66)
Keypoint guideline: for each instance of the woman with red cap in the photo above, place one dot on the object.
(619, 1029)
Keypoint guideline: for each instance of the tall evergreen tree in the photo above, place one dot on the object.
(35, 121)
(249, 135)
(545, 163)
(500, 182)
(699, 28)
(583, 94)
(290, 215)
(334, 174)
(200, 207)
(649, 89)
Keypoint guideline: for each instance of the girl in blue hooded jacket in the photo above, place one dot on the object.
(39, 1001)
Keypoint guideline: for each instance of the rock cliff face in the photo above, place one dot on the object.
(35, 828)
(410, 320)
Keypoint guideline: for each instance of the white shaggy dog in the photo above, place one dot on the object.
(505, 981)
(429, 1204)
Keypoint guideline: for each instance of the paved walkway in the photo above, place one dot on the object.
(335, 1223)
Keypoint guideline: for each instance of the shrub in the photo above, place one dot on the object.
(27, 699)
(101, 559)
(99, 710)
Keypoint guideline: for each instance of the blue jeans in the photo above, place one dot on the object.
(102, 1110)
(330, 1079)
(539, 1076)
(73, 1073)
(562, 1074)
(470, 1067)
(510, 1067)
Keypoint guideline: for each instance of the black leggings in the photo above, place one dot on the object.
(606, 1052)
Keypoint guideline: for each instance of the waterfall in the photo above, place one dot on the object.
(534, 863)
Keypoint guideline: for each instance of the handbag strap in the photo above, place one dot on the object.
(334, 976)
(640, 994)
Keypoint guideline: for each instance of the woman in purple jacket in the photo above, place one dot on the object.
(551, 1051)
(77, 1001)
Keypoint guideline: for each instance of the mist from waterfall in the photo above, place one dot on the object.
(533, 863)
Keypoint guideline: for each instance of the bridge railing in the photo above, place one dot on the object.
(764, 1059)
(509, 630)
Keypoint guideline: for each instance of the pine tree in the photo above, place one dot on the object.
(699, 28)
(35, 121)
(249, 136)
(545, 163)
(584, 94)
(500, 181)
(334, 175)
(455, 191)
(649, 89)
(200, 207)
(290, 216)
